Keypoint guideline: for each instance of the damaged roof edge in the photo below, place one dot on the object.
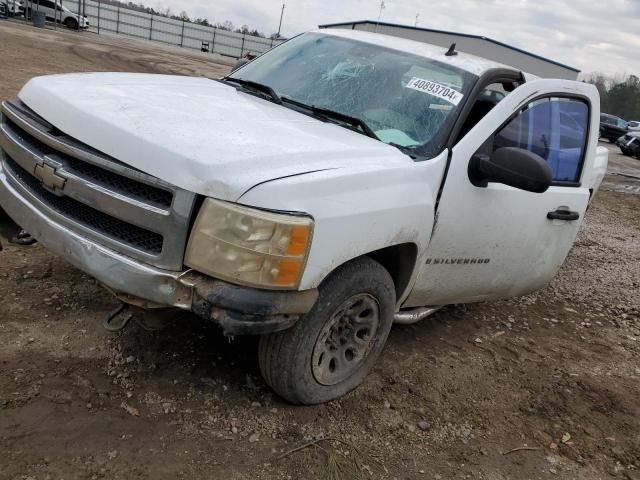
(467, 35)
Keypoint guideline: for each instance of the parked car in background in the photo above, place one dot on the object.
(4, 9)
(612, 127)
(634, 126)
(629, 144)
(243, 61)
(56, 12)
(16, 8)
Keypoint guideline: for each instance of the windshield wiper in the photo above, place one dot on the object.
(327, 114)
(260, 87)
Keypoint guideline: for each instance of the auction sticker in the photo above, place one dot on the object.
(436, 89)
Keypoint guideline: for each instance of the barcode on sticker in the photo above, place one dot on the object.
(436, 89)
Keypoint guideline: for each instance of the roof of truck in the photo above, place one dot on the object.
(464, 61)
(467, 35)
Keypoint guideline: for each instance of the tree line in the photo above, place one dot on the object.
(619, 95)
(166, 12)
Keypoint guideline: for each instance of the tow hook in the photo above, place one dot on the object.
(23, 238)
(118, 319)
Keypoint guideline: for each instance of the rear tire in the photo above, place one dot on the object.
(71, 23)
(330, 350)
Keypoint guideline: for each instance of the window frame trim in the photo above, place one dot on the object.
(561, 95)
(490, 76)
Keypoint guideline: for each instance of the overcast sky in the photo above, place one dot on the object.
(592, 35)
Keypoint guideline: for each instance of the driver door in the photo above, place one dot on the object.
(498, 241)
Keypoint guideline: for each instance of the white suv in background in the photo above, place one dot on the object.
(15, 8)
(58, 12)
(634, 126)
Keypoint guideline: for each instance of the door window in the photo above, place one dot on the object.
(45, 4)
(487, 99)
(554, 128)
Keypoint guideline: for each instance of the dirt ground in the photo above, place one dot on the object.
(557, 371)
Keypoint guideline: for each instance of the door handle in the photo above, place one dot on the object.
(563, 213)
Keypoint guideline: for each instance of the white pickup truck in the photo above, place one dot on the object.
(337, 183)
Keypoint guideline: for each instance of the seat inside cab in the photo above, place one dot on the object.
(490, 96)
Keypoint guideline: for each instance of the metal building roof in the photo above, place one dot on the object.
(467, 35)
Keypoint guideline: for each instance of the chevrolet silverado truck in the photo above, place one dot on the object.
(338, 183)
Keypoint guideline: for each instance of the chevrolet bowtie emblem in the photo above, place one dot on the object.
(49, 177)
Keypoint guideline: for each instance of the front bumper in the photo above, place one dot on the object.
(238, 310)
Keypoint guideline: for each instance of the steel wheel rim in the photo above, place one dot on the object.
(346, 339)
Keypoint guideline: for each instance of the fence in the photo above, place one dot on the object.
(123, 21)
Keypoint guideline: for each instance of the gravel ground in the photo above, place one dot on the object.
(557, 372)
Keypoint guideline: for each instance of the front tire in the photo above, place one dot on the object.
(330, 350)
(71, 23)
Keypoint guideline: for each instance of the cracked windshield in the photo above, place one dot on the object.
(402, 99)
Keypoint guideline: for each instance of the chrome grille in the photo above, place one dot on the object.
(137, 190)
(100, 176)
(107, 225)
(101, 198)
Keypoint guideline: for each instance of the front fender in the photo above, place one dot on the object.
(357, 210)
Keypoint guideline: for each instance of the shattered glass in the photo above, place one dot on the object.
(367, 82)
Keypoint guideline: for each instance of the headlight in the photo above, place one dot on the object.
(249, 246)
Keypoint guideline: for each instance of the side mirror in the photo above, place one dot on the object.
(511, 166)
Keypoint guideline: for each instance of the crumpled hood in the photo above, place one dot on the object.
(196, 133)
